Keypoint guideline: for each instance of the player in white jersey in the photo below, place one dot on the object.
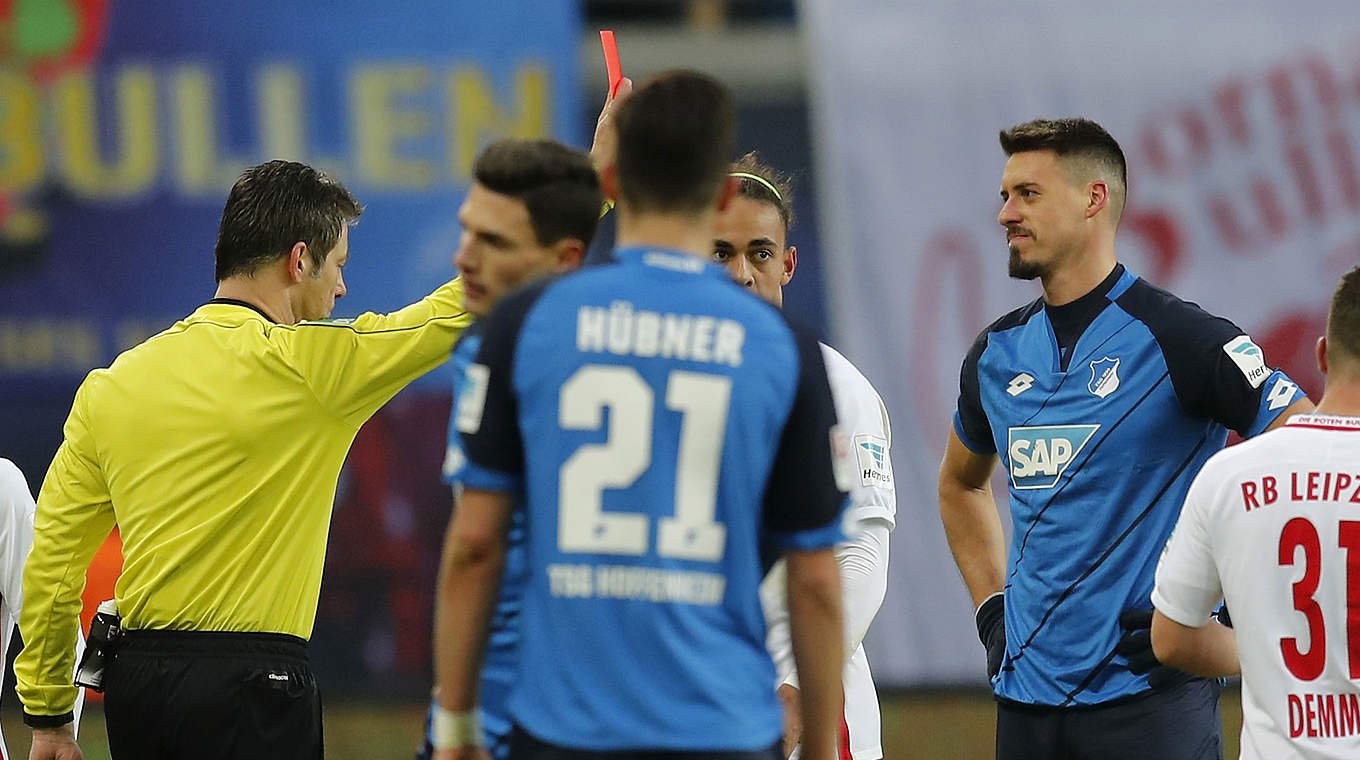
(751, 241)
(1272, 526)
(16, 537)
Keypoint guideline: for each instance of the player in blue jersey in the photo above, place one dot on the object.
(1102, 400)
(532, 211)
(657, 423)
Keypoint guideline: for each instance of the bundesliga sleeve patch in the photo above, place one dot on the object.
(1249, 358)
(875, 466)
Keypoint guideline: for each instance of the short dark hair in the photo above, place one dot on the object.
(1076, 138)
(274, 206)
(1343, 319)
(557, 185)
(676, 134)
(773, 187)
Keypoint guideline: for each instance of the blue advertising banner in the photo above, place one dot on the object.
(123, 124)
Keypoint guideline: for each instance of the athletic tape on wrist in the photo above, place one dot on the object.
(450, 730)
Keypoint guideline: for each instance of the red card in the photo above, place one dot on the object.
(611, 60)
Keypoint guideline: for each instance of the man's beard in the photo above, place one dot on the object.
(1020, 269)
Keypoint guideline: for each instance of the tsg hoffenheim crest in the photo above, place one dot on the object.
(1104, 376)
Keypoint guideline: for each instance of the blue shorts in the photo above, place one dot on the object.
(1180, 723)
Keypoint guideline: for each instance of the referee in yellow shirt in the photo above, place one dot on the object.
(215, 447)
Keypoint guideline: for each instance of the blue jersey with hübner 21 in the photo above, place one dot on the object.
(660, 420)
(1099, 450)
(502, 647)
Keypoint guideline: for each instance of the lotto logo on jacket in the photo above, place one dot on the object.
(1039, 455)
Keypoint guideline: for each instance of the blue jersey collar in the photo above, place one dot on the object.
(671, 259)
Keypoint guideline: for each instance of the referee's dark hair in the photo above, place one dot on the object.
(274, 206)
(557, 184)
(676, 133)
(1343, 320)
(1085, 147)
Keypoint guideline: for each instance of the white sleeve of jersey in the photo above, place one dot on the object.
(863, 563)
(863, 559)
(16, 537)
(778, 638)
(1188, 588)
(861, 414)
(17, 511)
(864, 579)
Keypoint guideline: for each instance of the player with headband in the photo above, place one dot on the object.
(751, 240)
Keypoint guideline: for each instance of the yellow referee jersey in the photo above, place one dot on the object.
(215, 447)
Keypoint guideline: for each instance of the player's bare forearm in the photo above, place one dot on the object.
(972, 524)
(469, 577)
(793, 717)
(1209, 651)
(817, 627)
(1300, 406)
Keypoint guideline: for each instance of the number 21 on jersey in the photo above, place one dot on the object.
(626, 454)
(584, 527)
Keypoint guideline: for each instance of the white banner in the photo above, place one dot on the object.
(1241, 125)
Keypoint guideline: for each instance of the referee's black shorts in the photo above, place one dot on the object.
(524, 746)
(211, 696)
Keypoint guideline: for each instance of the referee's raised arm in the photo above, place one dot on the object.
(354, 366)
(214, 447)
